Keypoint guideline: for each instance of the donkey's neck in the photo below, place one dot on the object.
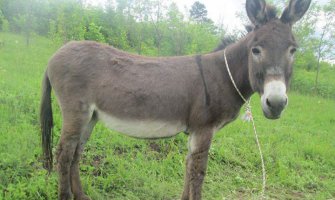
(237, 60)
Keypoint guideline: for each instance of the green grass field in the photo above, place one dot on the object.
(299, 149)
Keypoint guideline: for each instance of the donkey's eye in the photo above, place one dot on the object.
(256, 51)
(293, 50)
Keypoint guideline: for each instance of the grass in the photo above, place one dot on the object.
(298, 149)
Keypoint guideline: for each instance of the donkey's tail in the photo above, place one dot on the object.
(46, 121)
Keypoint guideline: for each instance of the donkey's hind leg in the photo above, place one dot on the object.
(73, 124)
(75, 176)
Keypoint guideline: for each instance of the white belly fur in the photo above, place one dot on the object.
(141, 128)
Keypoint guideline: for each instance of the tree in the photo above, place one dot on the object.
(20, 16)
(115, 26)
(93, 33)
(25, 23)
(325, 41)
(69, 20)
(305, 32)
(4, 24)
(157, 21)
(177, 38)
(198, 12)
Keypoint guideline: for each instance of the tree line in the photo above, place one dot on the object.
(151, 27)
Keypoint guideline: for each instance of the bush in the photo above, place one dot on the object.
(304, 82)
(93, 33)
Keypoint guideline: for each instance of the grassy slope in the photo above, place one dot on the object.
(299, 149)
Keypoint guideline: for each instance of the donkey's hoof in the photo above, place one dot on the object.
(82, 197)
(65, 196)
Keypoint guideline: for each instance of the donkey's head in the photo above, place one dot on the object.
(271, 52)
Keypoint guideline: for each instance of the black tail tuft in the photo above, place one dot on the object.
(46, 122)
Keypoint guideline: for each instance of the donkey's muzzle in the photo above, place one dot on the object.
(274, 99)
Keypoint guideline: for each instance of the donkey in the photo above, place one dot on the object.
(147, 97)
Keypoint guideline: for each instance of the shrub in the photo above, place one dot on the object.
(93, 33)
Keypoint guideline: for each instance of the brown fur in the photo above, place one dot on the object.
(167, 89)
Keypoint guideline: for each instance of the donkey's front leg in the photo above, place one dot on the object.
(196, 163)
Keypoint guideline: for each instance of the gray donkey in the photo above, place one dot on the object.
(147, 97)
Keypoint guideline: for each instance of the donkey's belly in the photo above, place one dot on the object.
(141, 128)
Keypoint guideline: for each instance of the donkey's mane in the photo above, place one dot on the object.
(225, 42)
(271, 12)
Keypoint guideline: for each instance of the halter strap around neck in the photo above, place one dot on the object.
(232, 79)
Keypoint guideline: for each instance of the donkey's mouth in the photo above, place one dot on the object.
(273, 109)
(271, 115)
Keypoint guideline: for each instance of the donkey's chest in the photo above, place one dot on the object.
(141, 128)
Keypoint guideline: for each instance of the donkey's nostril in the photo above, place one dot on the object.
(276, 102)
(268, 102)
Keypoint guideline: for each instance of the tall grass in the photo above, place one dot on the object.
(299, 148)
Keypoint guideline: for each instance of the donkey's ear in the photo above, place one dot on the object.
(295, 10)
(256, 11)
